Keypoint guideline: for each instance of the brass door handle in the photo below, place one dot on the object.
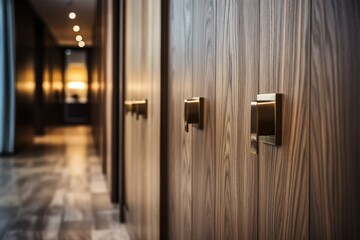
(193, 112)
(129, 107)
(140, 108)
(266, 120)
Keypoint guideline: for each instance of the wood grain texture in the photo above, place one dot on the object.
(284, 170)
(179, 210)
(153, 122)
(203, 154)
(130, 180)
(335, 118)
(237, 69)
(142, 137)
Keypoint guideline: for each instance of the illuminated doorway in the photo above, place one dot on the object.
(76, 109)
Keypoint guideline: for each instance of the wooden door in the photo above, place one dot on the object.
(227, 52)
(237, 74)
(191, 156)
(335, 118)
(180, 148)
(212, 189)
(284, 170)
(203, 141)
(142, 135)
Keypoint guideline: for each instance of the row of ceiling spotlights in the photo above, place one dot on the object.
(76, 28)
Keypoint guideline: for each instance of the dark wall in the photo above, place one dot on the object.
(39, 66)
(98, 82)
(335, 116)
(52, 81)
(38, 75)
(24, 72)
(49, 80)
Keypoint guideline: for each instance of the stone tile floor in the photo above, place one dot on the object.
(56, 190)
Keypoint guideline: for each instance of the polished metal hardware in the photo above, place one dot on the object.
(194, 112)
(140, 108)
(266, 120)
(129, 107)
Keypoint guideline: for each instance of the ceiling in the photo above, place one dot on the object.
(55, 14)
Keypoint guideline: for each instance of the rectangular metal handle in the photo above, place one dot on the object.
(138, 107)
(141, 108)
(193, 112)
(254, 137)
(128, 106)
(266, 120)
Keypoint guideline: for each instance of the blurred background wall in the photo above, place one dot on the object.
(38, 76)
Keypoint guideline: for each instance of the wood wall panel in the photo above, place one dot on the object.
(191, 164)
(153, 122)
(142, 136)
(129, 140)
(284, 170)
(335, 118)
(179, 142)
(134, 183)
(203, 154)
(227, 52)
(237, 71)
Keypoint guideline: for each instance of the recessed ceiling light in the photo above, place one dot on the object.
(72, 15)
(78, 38)
(81, 44)
(76, 28)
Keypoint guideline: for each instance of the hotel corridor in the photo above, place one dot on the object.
(56, 190)
(179, 119)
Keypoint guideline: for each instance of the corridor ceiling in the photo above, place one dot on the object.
(55, 14)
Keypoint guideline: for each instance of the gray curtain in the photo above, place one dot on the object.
(7, 78)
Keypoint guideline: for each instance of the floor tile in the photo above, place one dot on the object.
(57, 190)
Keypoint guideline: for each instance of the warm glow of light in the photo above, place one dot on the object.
(46, 86)
(81, 44)
(76, 82)
(95, 86)
(76, 85)
(57, 86)
(72, 15)
(76, 28)
(78, 38)
(76, 72)
(25, 87)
